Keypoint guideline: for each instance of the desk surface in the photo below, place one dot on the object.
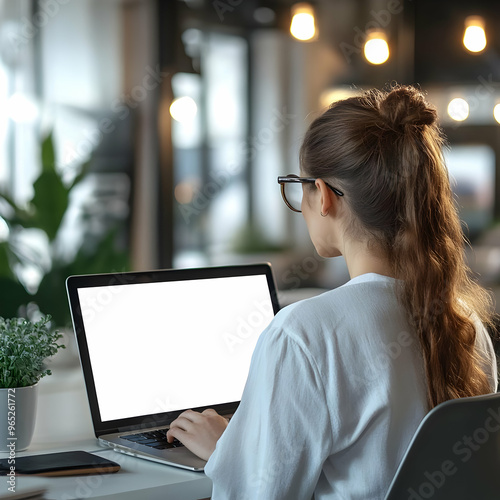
(64, 423)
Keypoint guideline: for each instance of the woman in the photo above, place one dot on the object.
(339, 383)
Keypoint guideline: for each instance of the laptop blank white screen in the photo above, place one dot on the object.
(160, 347)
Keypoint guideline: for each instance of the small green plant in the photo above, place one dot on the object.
(24, 346)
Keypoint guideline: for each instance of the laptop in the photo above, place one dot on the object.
(154, 344)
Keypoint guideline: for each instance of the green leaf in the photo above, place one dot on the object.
(5, 256)
(50, 201)
(48, 154)
(51, 196)
(13, 295)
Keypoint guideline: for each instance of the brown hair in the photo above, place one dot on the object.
(383, 149)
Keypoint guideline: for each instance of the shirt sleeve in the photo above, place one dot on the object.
(276, 443)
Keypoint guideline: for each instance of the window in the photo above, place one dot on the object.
(210, 159)
(472, 172)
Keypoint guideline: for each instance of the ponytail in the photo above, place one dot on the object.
(384, 151)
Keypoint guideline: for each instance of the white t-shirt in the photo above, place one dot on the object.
(335, 392)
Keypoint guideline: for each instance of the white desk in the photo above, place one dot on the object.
(64, 423)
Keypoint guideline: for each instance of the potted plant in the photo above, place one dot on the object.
(24, 347)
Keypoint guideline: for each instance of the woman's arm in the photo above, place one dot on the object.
(277, 441)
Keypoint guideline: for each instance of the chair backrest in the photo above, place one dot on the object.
(454, 455)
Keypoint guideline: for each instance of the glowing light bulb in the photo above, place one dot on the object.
(458, 109)
(496, 112)
(303, 25)
(376, 48)
(474, 35)
(183, 109)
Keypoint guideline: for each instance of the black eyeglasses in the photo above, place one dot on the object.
(291, 190)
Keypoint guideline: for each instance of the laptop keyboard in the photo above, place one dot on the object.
(154, 439)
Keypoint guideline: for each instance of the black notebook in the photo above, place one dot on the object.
(67, 463)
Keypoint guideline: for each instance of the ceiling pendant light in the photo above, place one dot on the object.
(474, 34)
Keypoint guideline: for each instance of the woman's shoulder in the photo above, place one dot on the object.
(352, 307)
(357, 294)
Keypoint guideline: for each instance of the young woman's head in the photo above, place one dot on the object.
(383, 151)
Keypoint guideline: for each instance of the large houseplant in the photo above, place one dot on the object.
(45, 213)
(24, 347)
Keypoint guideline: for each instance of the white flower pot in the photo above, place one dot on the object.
(17, 417)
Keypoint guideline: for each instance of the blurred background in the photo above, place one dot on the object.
(144, 134)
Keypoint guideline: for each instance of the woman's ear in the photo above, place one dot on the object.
(328, 199)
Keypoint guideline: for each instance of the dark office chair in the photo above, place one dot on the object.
(454, 455)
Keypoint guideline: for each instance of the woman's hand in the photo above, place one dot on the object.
(199, 432)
